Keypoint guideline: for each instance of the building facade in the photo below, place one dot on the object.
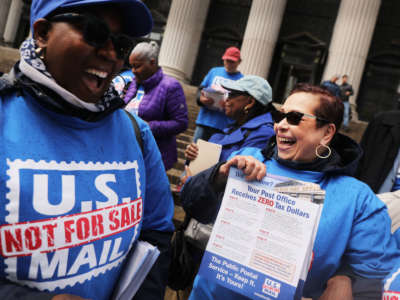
(285, 41)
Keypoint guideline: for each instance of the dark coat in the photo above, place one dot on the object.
(380, 142)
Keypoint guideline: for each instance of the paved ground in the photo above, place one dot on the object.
(356, 130)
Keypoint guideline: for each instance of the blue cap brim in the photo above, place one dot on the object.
(137, 19)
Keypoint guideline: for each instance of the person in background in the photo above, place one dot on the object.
(80, 188)
(158, 99)
(380, 164)
(332, 86)
(209, 120)
(346, 91)
(249, 103)
(308, 147)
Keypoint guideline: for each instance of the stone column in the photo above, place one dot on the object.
(12, 23)
(260, 36)
(4, 9)
(181, 38)
(352, 35)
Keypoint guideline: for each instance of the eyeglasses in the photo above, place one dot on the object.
(96, 32)
(234, 94)
(293, 117)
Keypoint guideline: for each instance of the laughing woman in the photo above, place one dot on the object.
(78, 186)
(354, 229)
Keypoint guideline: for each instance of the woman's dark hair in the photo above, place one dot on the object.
(330, 107)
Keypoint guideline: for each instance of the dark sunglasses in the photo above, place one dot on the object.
(96, 32)
(293, 117)
(234, 94)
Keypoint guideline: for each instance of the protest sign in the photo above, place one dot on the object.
(262, 240)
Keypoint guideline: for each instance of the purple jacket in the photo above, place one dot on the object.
(164, 107)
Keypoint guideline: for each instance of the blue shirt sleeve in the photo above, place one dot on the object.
(371, 255)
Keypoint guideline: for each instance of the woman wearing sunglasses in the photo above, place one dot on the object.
(249, 104)
(77, 189)
(354, 230)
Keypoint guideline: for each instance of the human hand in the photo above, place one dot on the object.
(206, 101)
(188, 173)
(67, 297)
(338, 287)
(191, 151)
(252, 168)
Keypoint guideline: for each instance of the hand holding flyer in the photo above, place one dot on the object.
(216, 93)
(262, 240)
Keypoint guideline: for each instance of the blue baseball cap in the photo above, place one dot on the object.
(137, 20)
(255, 86)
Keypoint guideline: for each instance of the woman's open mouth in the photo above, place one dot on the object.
(95, 79)
(285, 143)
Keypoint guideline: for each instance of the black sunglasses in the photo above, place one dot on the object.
(293, 117)
(96, 32)
(234, 94)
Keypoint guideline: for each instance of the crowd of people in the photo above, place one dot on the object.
(85, 148)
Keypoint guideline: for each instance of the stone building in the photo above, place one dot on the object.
(285, 41)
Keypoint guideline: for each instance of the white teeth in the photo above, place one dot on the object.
(97, 73)
(284, 140)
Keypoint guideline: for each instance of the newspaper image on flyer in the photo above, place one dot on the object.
(261, 243)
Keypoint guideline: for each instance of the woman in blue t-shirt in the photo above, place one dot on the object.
(79, 187)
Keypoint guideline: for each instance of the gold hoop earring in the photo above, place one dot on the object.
(323, 156)
(40, 52)
(246, 110)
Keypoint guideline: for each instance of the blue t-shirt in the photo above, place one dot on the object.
(213, 118)
(75, 196)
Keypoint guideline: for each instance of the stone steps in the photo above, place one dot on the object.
(182, 140)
